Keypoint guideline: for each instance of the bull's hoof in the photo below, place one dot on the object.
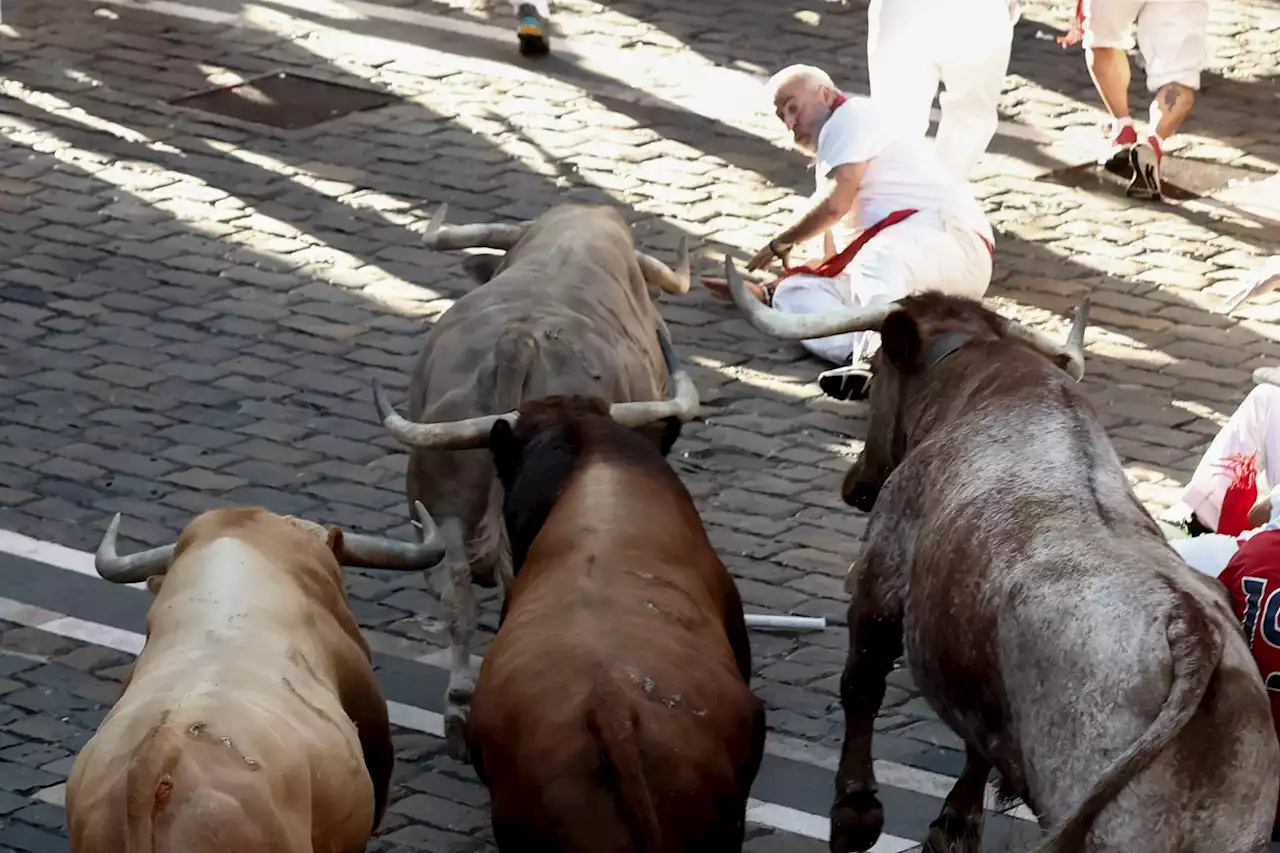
(953, 832)
(455, 733)
(856, 822)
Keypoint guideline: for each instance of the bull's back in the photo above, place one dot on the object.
(558, 685)
(510, 341)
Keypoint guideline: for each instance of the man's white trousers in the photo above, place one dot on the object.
(929, 251)
(912, 45)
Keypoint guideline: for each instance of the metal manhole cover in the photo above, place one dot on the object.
(1181, 178)
(285, 100)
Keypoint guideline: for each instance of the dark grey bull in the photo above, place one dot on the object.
(1045, 618)
(568, 309)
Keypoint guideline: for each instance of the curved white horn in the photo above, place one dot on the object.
(134, 568)
(1072, 349)
(469, 434)
(656, 272)
(682, 398)
(377, 552)
(799, 327)
(495, 236)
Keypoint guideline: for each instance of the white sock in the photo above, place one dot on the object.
(1118, 124)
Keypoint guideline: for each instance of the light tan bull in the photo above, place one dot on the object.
(252, 721)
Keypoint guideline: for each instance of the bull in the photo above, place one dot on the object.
(613, 710)
(1044, 617)
(252, 721)
(568, 309)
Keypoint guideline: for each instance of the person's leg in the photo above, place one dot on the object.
(1174, 41)
(929, 251)
(973, 75)
(1254, 428)
(1108, 28)
(810, 294)
(901, 68)
(531, 26)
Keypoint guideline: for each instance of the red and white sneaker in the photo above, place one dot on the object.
(1116, 160)
(1145, 157)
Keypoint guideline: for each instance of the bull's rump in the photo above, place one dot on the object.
(1079, 666)
(241, 768)
(541, 710)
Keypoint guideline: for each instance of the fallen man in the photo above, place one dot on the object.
(1249, 566)
(1224, 490)
(903, 223)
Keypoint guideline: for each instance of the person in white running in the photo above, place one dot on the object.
(1173, 37)
(531, 26)
(893, 221)
(912, 45)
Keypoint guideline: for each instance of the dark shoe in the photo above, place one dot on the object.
(532, 30)
(1117, 160)
(845, 383)
(1145, 158)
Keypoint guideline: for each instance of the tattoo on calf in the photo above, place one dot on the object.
(1171, 96)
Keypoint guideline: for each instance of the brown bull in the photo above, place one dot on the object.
(568, 309)
(1045, 618)
(613, 711)
(252, 721)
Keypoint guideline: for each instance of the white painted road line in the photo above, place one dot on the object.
(903, 776)
(407, 716)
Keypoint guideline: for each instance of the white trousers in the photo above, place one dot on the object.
(1172, 35)
(541, 5)
(912, 45)
(1252, 428)
(929, 251)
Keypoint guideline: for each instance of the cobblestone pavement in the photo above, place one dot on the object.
(191, 309)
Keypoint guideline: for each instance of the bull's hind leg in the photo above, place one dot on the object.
(459, 602)
(958, 829)
(875, 642)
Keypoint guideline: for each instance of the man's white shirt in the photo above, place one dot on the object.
(901, 173)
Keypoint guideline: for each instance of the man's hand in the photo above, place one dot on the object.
(765, 255)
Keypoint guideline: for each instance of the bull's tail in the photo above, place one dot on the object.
(615, 725)
(1196, 647)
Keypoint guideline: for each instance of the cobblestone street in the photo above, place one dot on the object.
(192, 310)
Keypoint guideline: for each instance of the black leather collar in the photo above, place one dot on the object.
(934, 353)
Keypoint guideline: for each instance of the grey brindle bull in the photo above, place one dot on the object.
(1045, 618)
(568, 309)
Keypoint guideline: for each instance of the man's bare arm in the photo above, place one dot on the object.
(840, 200)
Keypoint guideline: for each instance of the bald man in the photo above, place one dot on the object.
(892, 219)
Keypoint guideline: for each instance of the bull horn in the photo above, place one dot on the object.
(134, 568)
(657, 273)
(469, 434)
(800, 327)
(377, 552)
(1072, 350)
(681, 402)
(493, 236)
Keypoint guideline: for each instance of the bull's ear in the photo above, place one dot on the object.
(154, 583)
(505, 451)
(481, 268)
(670, 432)
(334, 540)
(900, 340)
(663, 434)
